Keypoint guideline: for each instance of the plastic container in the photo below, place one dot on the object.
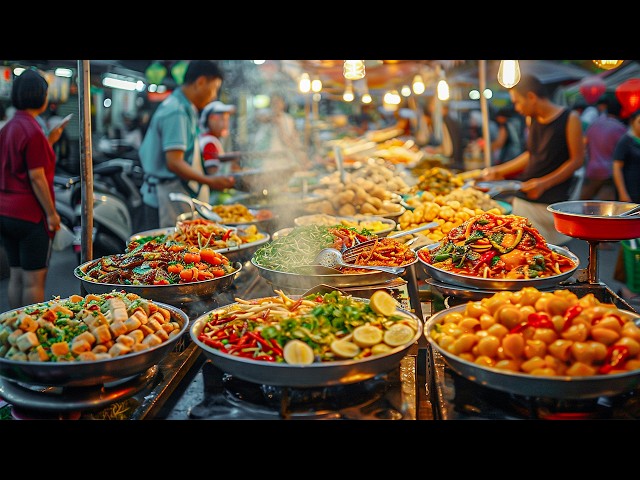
(631, 250)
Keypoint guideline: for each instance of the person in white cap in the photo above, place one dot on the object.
(214, 128)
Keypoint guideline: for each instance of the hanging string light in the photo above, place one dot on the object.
(305, 83)
(316, 85)
(418, 85)
(508, 73)
(365, 97)
(353, 69)
(443, 90)
(348, 96)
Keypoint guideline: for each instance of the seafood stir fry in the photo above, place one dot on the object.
(497, 246)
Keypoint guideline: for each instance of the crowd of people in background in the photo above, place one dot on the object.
(182, 147)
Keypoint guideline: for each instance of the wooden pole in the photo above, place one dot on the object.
(484, 109)
(86, 160)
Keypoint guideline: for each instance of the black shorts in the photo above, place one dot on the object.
(27, 244)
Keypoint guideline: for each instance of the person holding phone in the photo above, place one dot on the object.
(28, 216)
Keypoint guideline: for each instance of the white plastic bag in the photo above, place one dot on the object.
(63, 239)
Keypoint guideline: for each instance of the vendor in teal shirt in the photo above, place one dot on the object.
(169, 153)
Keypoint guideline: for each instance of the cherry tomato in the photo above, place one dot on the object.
(161, 281)
(192, 257)
(175, 268)
(189, 274)
(210, 256)
(177, 248)
(205, 275)
(218, 272)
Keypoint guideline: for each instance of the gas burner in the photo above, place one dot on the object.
(469, 399)
(34, 401)
(227, 397)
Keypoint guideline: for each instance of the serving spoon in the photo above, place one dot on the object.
(330, 257)
(202, 208)
(628, 213)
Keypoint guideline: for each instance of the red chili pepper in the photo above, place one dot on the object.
(295, 305)
(540, 320)
(485, 258)
(570, 314)
(617, 355)
(226, 235)
(276, 347)
(535, 320)
(595, 321)
(233, 338)
(265, 344)
(212, 343)
(243, 340)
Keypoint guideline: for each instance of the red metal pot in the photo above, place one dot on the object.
(595, 220)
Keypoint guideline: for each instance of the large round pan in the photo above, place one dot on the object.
(595, 220)
(90, 373)
(499, 283)
(240, 253)
(563, 387)
(260, 217)
(176, 294)
(339, 372)
(295, 280)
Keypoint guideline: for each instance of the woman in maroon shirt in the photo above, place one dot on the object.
(28, 217)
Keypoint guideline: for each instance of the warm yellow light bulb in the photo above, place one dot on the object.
(443, 90)
(353, 69)
(305, 83)
(508, 73)
(418, 85)
(608, 64)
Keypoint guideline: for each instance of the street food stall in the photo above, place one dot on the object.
(440, 305)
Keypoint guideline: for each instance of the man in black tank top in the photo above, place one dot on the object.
(554, 151)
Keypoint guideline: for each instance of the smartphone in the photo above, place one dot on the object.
(65, 120)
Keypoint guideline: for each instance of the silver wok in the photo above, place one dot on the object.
(565, 387)
(498, 283)
(319, 374)
(176, 294)
(91, 373)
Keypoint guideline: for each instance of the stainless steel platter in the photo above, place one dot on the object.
(495, 187)
(254, 212)
(175, 294)
(499, 283)
(564, 387)
(239, 253)
(295, 280)
(324, 219)
(338, 372)
(90, 373)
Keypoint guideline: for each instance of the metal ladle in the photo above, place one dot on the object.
(330, 257)
(628, 213)
(202, 208)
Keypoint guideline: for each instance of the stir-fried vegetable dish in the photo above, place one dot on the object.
(158, 263)
(497, 246)
(94, 327)
(303, 243)
(314, 328)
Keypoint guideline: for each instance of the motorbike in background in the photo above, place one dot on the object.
(116, 196)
